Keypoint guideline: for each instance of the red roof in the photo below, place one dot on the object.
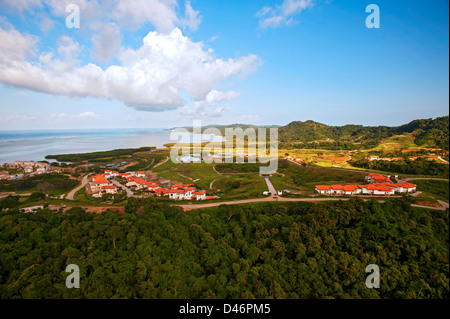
(379, 187)
(189, 188)
(337, 187)
(350, 188)
(199, 193)
(109, 187)
(124, 174)
(379, 178)
(210, 197)
(405, 185)
(100, 179)
(323, 187)
(137, 180)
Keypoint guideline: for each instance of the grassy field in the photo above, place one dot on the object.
(199, 174)
(146, 160)
(241, 186)
(307, 177)
(55, 184)
(436, 189)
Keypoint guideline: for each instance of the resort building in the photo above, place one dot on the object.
(384, 188)
(377, 178)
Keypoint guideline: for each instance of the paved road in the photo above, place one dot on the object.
(71, 194)
(270, 186)
(281, 199)
(258, 200)
(129, 192)
(442, 159)
(429, 178)
(443, 204)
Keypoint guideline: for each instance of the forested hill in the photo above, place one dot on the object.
(429, 132)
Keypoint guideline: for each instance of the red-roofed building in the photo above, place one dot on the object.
(200, 195)
(324, 189)
(374, 188)
(140, 174)
(377, 178)
(404, 187)
(110, 189)
(100, 180)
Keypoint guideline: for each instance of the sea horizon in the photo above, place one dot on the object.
(34, 145)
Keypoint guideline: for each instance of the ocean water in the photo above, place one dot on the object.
(36, 144)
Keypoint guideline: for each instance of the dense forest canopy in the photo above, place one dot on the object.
(299, 250)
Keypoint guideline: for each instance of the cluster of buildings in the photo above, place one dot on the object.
(27, 167)
(377, 185)
(101, 184)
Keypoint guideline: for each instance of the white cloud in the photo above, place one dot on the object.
(213, 98)
(157, 76)
(17, 118)
(15, 46)
(192, 19)
(150, 78)
(68, 49)
(282, 14)
(80, 116)
(106, 43)
(161, 13)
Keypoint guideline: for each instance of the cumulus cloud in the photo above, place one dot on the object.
(281, 14)
(157, 76)
(150, 78)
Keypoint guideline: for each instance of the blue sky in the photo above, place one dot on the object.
(164, 63)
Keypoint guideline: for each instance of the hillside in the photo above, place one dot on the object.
(426, 132)
(223, 127)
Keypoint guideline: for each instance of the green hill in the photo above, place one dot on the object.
(426, 132)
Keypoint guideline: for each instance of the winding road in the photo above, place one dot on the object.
(72, 193)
